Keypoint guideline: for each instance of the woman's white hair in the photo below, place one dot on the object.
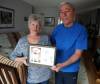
(34, 17)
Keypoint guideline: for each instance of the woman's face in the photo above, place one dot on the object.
(67, 14)
(34, 26)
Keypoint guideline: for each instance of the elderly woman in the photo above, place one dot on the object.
(36, 74)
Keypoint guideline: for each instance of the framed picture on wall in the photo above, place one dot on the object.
(49, 21)
(6, 17)
(43, 55)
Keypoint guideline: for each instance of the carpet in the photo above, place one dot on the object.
(82, 75)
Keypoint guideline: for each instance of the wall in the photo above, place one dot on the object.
(91, 20)
(22, 10)
(47, 12)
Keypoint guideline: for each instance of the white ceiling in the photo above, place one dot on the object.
(79, 4)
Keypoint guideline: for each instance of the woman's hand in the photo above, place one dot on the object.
(22, 60)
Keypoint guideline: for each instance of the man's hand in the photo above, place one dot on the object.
(57, 67)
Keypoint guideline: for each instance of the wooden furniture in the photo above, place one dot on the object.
(93, 74)
(97, 42)
(12, 72)
(8, 75)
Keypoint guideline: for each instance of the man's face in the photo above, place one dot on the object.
(67, 14)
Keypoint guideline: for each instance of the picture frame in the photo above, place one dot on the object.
(6, 17)
(49, 21)
(42, 55)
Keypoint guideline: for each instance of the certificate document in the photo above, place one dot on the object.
(44, 55)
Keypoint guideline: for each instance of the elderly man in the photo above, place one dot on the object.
(70, 39)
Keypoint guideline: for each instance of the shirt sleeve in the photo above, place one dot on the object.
(81, 42)
(17, 51)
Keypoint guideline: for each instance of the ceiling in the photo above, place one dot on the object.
(79, 4)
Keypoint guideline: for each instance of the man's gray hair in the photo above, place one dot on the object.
(67, 3)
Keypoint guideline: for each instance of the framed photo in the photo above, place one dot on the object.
(44, 55)
(6, 17)
(49, 21)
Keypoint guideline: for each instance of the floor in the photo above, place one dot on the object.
(82, 76)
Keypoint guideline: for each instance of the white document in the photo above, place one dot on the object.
(44, 55)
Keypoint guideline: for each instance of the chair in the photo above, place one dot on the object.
(12, 72)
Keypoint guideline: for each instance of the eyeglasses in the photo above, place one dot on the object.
(67, 11)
